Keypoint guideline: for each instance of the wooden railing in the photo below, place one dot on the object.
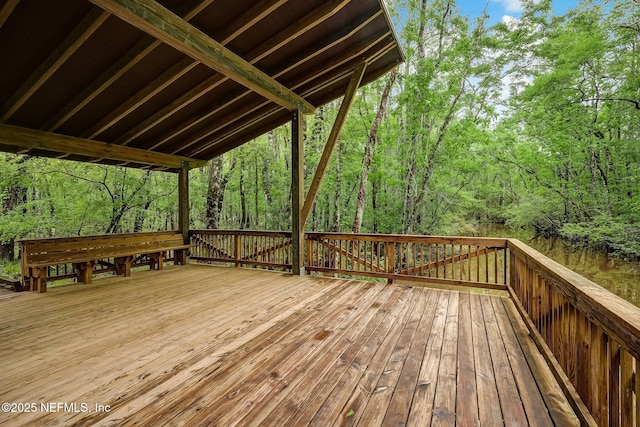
(445, 260)
(590, 337)
(270, 249)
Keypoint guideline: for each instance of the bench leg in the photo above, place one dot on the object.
(123, 266)
(180, 257)
(157, 260)
(84, 271)
(38, 279)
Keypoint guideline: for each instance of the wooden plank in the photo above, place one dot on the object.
(490, 413)
(599, 376)
(338, 346)
(15, 138)
(316, 395)
(164, 25)
(227, 388)
(422, 408)
(355, 407)
(510, 403)
(76, 37)
(183, 202)
(444, 405)
(627, 389)
(111, 74)
(532, 401)
(6, 10)
(489, 242)
(637, 392)
(400, 405)
(376, 408)
(163, 81)
(467, 413)
(553, 395)
(334, 135)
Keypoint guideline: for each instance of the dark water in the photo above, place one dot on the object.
(617, 275)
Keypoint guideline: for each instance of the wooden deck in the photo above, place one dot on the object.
(203, 345)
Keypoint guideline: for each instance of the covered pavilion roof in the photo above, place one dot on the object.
(172, 83)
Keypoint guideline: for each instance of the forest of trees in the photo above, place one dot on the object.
(529, 123)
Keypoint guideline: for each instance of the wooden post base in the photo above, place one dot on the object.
(84, 271)
(157, 260)
(37, 280)
(123, 265)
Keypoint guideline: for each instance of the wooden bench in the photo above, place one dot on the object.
(84, 253)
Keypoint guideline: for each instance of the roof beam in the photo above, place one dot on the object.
(6, 10)
(248, 19)
(159, 22)
(23, 138)
(71, 43)
(114, 72)
(332, 71)
(311, 20)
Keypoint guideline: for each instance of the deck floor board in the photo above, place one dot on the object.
(204, 345)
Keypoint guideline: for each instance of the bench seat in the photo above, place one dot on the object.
(83, 253)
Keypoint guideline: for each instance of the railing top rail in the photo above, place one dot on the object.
(614, 314)
(411, 238)
(243, 232)
(98, 236)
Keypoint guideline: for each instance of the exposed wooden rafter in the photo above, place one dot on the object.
(331, 73)
(18, 139)
(265, 59)
(72, 42)
(6, 10)
(274, 43)
(171, 75)
(113, 73)
(161, 23)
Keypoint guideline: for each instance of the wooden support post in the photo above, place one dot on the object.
(237, 249)
(390, 255)
(180, 257)
(183, 202)
(297, 193)
(331, 142)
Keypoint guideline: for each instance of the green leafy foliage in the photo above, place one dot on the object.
(532, 123)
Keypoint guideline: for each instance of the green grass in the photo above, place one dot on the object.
(9, 269)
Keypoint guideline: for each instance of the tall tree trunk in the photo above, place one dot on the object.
(16, 195)
(244, 215)
(138, 224)
(215, 193)
(374, 205)
(371, 144)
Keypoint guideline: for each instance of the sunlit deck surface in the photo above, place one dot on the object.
(205, 345)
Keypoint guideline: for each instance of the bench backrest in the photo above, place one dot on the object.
(59, 249)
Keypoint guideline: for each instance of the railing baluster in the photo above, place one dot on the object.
(626, 388)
